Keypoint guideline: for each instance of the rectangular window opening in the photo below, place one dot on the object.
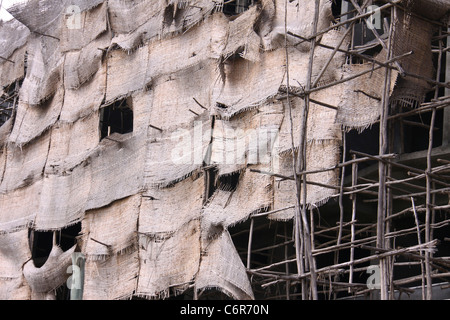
(116, 118)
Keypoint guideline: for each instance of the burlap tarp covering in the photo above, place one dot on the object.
(431, 9)
(412, 34)
(95, 182)
(86, 99)
(13, 35)
(221, 268)
(247, 138)
(126, 73)
(52, 274)
(248, 84)
(188, 49)
(33, 121)
(242, 38)
(25, 165)
(173, 95)
(127, 16)
(360, 99)
(298, 63)
(147, 228)
(110, 180)
(175, 155)
(229, 207)
(12, 71)
(111, 230)
(140, 21)
(161, 214)
(321, 126)
(14, 252)
(63, 199)
(299, 20)
(285, 191)
(14, 215)
(81, 65)
(103, 276)
(71, 143)
(169, 263)
(44, 71)
(81, 28)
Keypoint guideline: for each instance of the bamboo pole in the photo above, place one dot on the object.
(298, 234)
(352, 228)
(419, 241)
(302, 161)
(383, 144)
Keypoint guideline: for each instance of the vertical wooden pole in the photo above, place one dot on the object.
(383, 143)
(352, 227)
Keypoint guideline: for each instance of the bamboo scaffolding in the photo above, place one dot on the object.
(395, 181)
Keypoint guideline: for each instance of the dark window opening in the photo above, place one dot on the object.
(211, 177)
(229, 182)
(365, 141)
(235, 7)
(116, 118)
(41, 242)
(336, 9)
(8, 99)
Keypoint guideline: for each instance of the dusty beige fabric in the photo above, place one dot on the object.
(5, 130)
(360, 98)
(86, 99)
(247, 138)
(13, 35)
(67, 180)
(110, 181)
(14, 215)
(81, 65)
(111, 230)
(14, 252)
(169, 264)
(166, 210)
(201, 42)
(80, 29)
(285, 191)
(412, 34)
(62, 201)
(141, 104)
(44, 71)
(299, 61)
(3, 152)
(300, 17)
(71, 143)
(173, 95)
(242, 38)
(248, 84)
(127, 16)
(175, 155)
(221, 268)
(33, 121)
(52, 274)
(227, 208)
(103, 276)
(25, 165)
(10, 72)
(126, 73)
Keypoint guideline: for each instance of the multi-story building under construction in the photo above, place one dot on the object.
(211, 149)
